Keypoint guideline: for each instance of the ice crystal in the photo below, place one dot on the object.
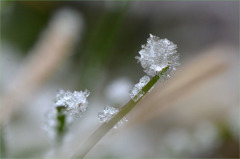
(108, 113)
(75, 103)
(158, 54)
(121, 122)
(136, 92)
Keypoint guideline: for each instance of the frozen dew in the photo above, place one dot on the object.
(108, 113)
(136, 92)
(75, 103)
(121, 122)
(158, 54)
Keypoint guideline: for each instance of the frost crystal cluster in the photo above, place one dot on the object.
(75, 103)
(158, 54)
(108, 113)
(136, 91)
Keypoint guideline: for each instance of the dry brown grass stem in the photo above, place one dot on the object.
(189, 77)
(54, 45)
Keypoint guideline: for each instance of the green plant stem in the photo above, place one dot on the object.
(105, 127)
(3, 144)
(61, 127)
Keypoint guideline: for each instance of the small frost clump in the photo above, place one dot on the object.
(158, 54)
(108, 113)
(75, 103)
(136, 91)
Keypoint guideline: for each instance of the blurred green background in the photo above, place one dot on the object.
(111, 34)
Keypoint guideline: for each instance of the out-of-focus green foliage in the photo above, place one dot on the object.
(99, 42)
(23, 25)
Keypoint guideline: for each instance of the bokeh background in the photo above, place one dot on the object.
(77, 45)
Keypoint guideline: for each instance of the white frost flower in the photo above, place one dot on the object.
(108, 113)
(157, 54)
(75, 103)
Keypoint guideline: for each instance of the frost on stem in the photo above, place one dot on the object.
(75, 103)
(158, 54)
(108, 113)
(136, 91)
(67, 106)
(51, 123)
